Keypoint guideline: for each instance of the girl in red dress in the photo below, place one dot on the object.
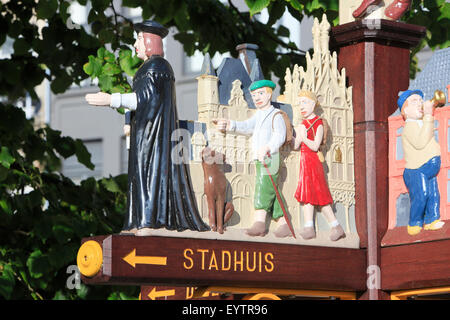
(312, 189)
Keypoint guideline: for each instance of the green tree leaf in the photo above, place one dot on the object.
(7, 281)
(83, 291)
(110, 185)
(6, 159)
(21, 46)
(62, 233)
(296, 5)
(5, 206)
(257, 6)
(105, 82)
(63, 7)
(111, 69)
(61, 82)
(128, 64)
(101, 52)
(109, 56)
(46, 8)
(37, 264)
(100, 5)
(93, 68)
(83, 154)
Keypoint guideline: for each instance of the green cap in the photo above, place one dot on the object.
(261, 84)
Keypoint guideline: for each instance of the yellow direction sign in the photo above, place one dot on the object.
(158, 294)
(133, 259)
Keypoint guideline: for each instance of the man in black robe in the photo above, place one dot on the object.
(160, 193)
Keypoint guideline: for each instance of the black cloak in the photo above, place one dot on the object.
(160, 193)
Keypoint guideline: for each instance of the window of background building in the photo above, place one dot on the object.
(76, 171)
(399, 144)
(436, 130)
(123, 155)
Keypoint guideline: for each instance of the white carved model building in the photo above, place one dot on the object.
(324, 79)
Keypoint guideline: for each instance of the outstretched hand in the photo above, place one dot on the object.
(221, 124)
(98, 99)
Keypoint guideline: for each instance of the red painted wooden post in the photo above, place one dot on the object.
(375, 54)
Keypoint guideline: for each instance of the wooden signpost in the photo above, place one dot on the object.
(179, 293)
(376, 59)
(198, 262)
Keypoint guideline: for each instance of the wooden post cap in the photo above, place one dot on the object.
(90, 258)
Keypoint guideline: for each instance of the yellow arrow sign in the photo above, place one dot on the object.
(133, 259)
(163, 293)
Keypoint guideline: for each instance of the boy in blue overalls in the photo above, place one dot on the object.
(423, 161)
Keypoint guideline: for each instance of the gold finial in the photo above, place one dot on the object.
(438, 99)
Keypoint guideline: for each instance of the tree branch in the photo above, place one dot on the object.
(116, 24)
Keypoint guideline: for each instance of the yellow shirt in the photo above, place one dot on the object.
(419, 145)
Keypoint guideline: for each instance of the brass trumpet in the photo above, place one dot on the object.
(438, 99)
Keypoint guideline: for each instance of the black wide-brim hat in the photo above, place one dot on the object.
(150, 26)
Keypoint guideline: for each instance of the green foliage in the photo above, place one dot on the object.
(110, 71)
(46, 8)
(5, 158)
(56, 47)
(257, 6)
(435, 15)
(44, 215)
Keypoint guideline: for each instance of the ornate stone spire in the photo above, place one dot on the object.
(316, 35)
(207, 67)
(324, 34)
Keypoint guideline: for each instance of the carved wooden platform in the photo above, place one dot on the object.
(419, 265)
(399, 235)
(199, 262)
(175, 262)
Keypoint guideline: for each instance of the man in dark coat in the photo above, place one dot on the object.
(160, 192)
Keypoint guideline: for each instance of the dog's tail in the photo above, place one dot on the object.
(229, 210)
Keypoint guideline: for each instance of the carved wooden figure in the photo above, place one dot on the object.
(372, 9)
(215, 188)
(393, 11)
(312, 187)
(160, 193)
(423, 161)
(268, 136)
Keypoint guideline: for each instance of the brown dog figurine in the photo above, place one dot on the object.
(215, 189)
